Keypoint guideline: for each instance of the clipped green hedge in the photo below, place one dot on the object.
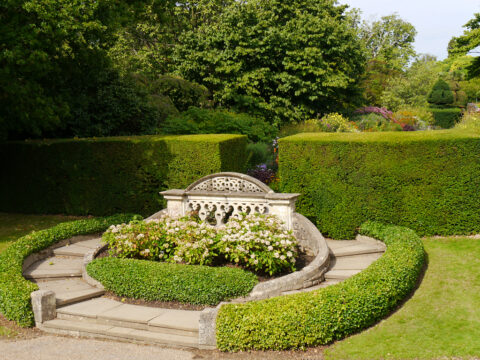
(426, 180)
(15, 290)
(103, 176)
(149, 280)
(322, 316)
(446, 118)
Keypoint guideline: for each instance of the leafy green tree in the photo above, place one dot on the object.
(411, 88)
(284, 60)
(441, 94)
(390, 40)
(375, 80)
(462, 45)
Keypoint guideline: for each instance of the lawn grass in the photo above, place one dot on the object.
(441, 320)
(14, 226)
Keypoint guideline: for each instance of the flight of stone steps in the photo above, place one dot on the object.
(81, 311)
(347, 258)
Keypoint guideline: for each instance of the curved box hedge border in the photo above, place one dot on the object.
(320, 317)
(15, 290)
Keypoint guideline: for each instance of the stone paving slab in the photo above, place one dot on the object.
(91, 244)
(53, 274)
(338, 244)
(57, 263)
(358, 249)
(131, 313)
(72, 250)
(354, 262)
(76, 296)
(91, 308)
(177, 319)
(340, 274)
(61, 286)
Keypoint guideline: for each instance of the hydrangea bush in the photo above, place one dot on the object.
(254, 241)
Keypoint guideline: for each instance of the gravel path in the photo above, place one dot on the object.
(54, 347)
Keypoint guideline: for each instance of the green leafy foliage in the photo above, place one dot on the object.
(411, 87)
(194, 284)
(206, 121)
(446, 118)
(426, 180)
(389, 40)
(287, 61)
(375, 122)
(53, 53)
(253, 241)
(323, 316)
(461, 45)
(441, 94)
(109, 175)
(15, 303)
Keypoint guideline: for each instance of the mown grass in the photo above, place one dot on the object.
(441, 320)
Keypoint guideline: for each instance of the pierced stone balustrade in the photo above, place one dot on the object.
(216, 198)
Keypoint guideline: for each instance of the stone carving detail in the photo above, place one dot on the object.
(218, 197)
(228, 184)
(222, 210)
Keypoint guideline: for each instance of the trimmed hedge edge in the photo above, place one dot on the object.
(15, 290)
(151, 280)
(320, 317)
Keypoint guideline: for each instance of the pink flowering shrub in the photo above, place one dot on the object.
(257, 242)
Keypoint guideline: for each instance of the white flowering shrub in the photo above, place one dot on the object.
(257, 242)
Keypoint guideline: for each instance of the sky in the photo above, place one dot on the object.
(436, 21)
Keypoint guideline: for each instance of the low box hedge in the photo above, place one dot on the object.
(104, 176)
(446, 118)
(425, 180)
(150, 280)
(15, 290)
(322, 316)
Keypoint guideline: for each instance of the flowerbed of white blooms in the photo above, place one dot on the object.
(256, 242)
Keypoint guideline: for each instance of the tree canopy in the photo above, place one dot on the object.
(285, 60)
(470, 40)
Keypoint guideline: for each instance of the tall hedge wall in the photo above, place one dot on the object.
(428, 181)
(102, 176)
(446, 118)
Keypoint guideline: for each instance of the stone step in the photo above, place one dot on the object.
(113, 313)
(101, 331)
(354, 262)
(340, 274)
(357, 249)
(322, 285)
(70, 291)
(55, 268)
(75, 250)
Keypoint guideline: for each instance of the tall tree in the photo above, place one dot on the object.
(390, 40)
(469, 41)
(411, 88)
(286, 60)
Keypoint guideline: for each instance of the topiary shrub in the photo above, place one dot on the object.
(446, 118)
(153, 281)
(15, 290)
(322, 316)
(441, 94)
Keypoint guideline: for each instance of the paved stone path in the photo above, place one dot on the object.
(82, 312)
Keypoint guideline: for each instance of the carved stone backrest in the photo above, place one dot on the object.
(220, 196)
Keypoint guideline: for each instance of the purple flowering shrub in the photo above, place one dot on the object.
(384, 112)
